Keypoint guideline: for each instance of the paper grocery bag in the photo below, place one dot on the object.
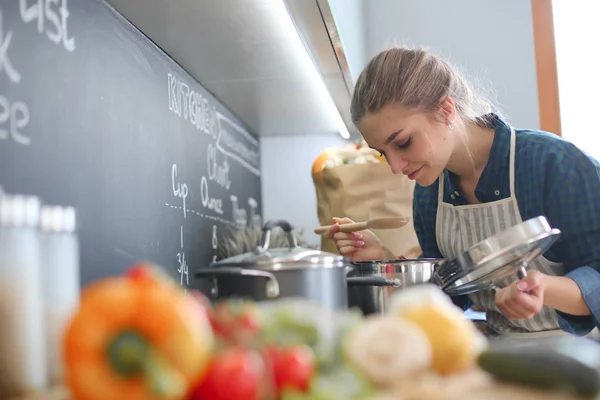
(363, 191)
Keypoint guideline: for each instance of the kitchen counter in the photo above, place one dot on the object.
(495, 391)
(500, 391)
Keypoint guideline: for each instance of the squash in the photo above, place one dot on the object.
(136, 340)
(455, 341)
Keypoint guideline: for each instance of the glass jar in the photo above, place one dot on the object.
(22, 353)
(59, 250)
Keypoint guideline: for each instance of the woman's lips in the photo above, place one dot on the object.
(414, 174)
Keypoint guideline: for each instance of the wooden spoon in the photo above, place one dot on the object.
(373, 223)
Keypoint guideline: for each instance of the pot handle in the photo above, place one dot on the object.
(266, 234)
(372, 281)
(272, 286)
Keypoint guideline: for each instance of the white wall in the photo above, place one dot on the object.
(577, 63)
(287, 187)
(491, 40)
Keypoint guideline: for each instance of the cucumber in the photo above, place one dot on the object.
(570, 365)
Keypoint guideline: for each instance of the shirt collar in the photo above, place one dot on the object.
(494, 181)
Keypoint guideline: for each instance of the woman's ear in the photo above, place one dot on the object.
(447, 110)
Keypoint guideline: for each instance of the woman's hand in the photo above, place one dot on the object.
(360, 246)
(524, 298)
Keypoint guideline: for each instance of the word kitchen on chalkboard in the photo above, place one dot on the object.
(94, 115)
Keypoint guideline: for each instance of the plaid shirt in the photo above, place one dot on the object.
(553, 178)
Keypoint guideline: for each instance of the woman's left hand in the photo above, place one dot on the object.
(524, 298)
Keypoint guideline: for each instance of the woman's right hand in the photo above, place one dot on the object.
(359, 246)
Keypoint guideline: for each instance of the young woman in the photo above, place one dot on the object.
(476, 176)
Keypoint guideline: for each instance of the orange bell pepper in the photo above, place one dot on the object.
(136, 340)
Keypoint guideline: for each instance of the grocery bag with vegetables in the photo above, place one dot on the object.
(356, 182)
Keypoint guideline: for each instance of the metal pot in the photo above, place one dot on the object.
(266, 273)
(403, 273)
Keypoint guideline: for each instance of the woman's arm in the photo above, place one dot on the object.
(563, 294)
(572, 204)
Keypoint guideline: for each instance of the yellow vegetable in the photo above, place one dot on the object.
(455, 341)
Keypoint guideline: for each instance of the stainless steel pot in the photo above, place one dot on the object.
(403, 273)
(266, 273)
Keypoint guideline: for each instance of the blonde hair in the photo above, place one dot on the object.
(415, 79)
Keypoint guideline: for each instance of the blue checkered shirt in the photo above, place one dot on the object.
(553, 178)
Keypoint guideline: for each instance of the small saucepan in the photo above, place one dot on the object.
(404, 273)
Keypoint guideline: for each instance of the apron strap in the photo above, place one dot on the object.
(441, 189)
(513, 141)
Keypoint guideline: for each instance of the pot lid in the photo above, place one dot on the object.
(292, 257)
(498, 257)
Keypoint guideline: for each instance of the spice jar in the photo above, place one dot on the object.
(59, 250)
(22, 354)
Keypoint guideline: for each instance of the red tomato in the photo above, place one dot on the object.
(234, 374)
(248, 321)
(293, 367)
(235, 320)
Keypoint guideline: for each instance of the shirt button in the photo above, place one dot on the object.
(497, 192)
(452, 196)
(456, 194)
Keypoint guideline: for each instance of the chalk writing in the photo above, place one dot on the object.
(240, 215)
(5, 63)
(191, 106)
(255, 218)
(215, 241)
(202, 215)
(244, 151)
(212, 203)
(14, 117)
(180, 190)
(217, 172)
(52, 17)
(183, 267)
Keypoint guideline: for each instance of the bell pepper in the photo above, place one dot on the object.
(149, 272)
(136, 340)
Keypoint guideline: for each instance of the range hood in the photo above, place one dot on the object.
(240, 50)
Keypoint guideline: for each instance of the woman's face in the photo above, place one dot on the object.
(416, 144)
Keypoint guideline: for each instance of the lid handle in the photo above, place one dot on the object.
(266, 235)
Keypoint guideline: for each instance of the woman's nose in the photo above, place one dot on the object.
(397, 164)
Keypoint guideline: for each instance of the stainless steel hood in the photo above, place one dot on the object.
(239, 51)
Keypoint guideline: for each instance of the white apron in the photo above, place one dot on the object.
(460, 227)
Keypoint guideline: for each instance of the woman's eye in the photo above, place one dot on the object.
(405, 144)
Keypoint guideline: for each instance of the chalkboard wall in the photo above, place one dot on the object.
(94, 115)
